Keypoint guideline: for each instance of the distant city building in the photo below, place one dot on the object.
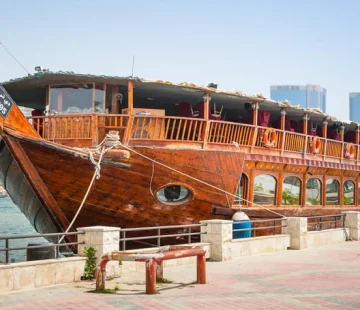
(306, 96)
(354, 100)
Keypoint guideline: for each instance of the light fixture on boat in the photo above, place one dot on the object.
(212, 85)
(40, 69)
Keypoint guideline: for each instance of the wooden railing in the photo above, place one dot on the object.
(260, 138)
(309, 149)
(228, 133)
(108, 122)
(90, 129)
(294, 142)
(168, 128)
(64, 127)
(334, 148)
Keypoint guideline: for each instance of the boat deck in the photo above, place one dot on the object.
(90, 129)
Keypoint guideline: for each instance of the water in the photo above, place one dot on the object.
(13, 222)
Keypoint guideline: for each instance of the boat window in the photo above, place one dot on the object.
(72, 98)
(77, 98)
(349, 192)
(99, 97)
(291, 191)
(332, 192)
(313, 192)
(174, 194)
(264, 189)
(241, 191)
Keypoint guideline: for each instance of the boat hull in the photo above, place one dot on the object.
(125, 194)
(22, 194)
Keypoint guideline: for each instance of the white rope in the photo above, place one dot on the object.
(111, 141)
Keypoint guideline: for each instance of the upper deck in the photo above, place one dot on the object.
(162, 114)
(84, 130)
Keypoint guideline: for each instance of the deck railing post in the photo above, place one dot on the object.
(7, 251)
(274, 227)
(320, 223)
(124, 240)
(159, 237)
(189, 236)
(57, 248)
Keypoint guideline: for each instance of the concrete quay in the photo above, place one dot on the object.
(314, 278)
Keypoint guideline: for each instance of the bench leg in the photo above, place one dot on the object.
(201, 269)
(150, 266)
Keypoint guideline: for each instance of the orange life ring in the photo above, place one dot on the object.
(349, 151)
(269, 137)
(315, 145)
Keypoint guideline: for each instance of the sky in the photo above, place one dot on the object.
(240, 45)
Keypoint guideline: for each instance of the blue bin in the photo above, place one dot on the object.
(241, 221)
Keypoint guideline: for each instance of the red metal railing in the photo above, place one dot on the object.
(152, 260)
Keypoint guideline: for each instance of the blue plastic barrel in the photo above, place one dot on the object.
(241, 221)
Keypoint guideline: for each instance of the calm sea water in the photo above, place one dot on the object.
(13, 222)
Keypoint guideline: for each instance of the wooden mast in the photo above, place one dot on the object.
(206, 99)
(127, 133)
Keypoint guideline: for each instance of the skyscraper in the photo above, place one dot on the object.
(306, 96)
(354, 100)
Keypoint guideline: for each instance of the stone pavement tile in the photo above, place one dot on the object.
(354, 298)
(330, 303)
(79, 302)
(319, 281)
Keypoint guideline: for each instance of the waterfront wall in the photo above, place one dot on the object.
(216, 240)
(301, 238)
(36, 274)
(223, 247)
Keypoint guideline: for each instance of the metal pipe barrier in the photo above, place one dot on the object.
(57, 246)
(338, 221)
(159, 236)
(152, 260)
(254, 229)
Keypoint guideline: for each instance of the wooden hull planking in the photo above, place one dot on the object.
(122, 196)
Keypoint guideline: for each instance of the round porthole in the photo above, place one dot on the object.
(174, 194)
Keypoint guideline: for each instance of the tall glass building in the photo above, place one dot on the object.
(354, 99)
(306, 96)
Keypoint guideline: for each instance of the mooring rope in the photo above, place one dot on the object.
(107, 144)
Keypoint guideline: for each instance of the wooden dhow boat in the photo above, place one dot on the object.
(167, 153)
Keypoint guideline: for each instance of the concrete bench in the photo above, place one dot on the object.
(153, 263)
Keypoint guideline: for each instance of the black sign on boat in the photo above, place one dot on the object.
(6, 102)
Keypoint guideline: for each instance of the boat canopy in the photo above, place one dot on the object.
(152, 92)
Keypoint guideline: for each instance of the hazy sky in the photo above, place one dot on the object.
(241, 45)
